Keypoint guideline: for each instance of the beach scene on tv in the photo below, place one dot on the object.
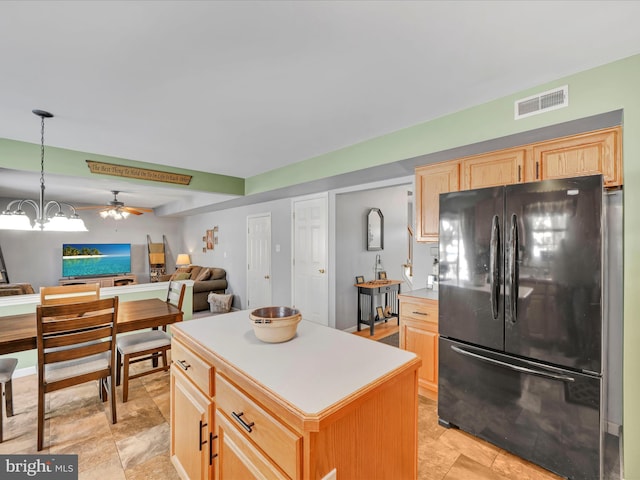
(90, 259)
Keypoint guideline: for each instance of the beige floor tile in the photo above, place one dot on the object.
(76, 428)
(480, 451)
(467, 469)
(94, 451)
(143, 446)
(163, 402)
(135, 421)
(514, 467)
(435, 459)
(109, 470)
(156, 467)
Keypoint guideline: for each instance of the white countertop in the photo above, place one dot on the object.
(427, 293)
(314, 370)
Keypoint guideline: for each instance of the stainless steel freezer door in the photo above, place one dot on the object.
(553, 267)
(546, 415)
(471, 267)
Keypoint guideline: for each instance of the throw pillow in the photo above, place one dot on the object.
(220, 303)
(204, 274)
(181, 276)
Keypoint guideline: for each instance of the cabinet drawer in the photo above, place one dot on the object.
(278, 442)
(389, 288)
(199, 371)
(239, 458)
(426, 311)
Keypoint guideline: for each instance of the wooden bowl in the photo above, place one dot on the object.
(275, 324)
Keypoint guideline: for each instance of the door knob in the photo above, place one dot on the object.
(321, 270)
(267, 277)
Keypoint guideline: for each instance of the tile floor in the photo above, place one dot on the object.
(137, 447)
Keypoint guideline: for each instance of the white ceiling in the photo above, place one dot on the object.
(243, 87)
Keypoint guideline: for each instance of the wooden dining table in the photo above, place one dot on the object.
(18, 332)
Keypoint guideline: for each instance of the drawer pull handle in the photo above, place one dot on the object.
(200, 441)
(212, 455)
(421, 313)
(183, 364)
(245, 425)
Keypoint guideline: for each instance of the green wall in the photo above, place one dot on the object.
(611, 87)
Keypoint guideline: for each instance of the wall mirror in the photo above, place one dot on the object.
(375, 229)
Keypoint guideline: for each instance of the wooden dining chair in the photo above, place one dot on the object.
(7, 367)
(59, 294)
(147, 345)
(76, 344)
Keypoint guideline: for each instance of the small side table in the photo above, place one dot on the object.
(390, 289)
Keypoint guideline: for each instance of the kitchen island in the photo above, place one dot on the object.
(326, 404)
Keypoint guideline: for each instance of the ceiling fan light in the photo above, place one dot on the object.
(104, 213)
(124, 214)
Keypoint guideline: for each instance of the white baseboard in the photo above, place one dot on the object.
(24, 372)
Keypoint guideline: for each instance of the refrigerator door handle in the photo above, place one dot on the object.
(513, 268)
(518, 368)
(494, 273)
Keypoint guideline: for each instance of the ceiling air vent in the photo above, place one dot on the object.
(543, 102)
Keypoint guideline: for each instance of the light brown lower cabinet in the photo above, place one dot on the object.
(192, 413)
(228, 426)
(419, 334)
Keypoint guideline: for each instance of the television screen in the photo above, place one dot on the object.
(95, 259)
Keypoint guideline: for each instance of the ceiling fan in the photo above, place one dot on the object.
(116, 209)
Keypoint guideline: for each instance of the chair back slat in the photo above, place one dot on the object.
(66, 339)
(66, 322)
(76, 352)
(175, 295)
(61, 294)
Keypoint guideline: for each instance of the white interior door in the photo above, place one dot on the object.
(258, 261)
(310, 239)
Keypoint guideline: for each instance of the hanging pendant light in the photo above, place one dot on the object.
(49, 216)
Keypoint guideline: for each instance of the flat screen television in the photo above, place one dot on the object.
(95, 259)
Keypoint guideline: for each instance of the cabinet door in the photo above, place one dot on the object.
(585, 154)
(431, 181)
(504, 167)
(191, 412)
(421, 338)
(419, 334)
(238, 458)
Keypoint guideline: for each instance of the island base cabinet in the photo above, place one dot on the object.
(237, 458)
(373, 438)
(191, 412)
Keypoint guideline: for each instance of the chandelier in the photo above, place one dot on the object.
(49, 216)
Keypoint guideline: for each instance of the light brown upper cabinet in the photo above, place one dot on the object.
(431, 181)
(492, 169)
(588, 153)
(585, 154)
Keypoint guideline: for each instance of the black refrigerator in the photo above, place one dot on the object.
(520, 320)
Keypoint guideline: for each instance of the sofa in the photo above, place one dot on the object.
(206, 280)
(9, 289)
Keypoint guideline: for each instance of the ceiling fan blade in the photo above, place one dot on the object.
(136, 210)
